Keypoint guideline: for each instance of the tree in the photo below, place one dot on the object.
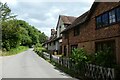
(17, 32)
(34, 34)
(10, 34)
(42, 38)
(5, 12)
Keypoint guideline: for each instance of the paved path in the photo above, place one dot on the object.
(28, 65)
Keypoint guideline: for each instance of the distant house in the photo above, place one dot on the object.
(50, 43)
(63, 23)
(54, 43)
(94, 30)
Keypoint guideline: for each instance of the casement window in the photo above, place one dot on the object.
(118, 14)
(54, 42)
(65, 35)
(74, 47)
(102, 46)
(76, 31)
(50, 44)
(108, 18)
(112, 17)
(105, 19)
(65, 50)
(99, 22)
(108, 47)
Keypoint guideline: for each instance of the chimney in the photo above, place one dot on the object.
(53, 32)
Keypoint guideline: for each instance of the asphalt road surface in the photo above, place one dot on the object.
(28, 65)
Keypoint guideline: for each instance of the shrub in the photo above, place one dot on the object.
(79, 57)
(102, 58)
(39, 49)
(105, 58)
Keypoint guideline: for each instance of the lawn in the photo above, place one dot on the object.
(13, 51)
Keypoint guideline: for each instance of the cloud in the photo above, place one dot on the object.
(11, 2)
(43, 14)
(53, 11)
(34, 20)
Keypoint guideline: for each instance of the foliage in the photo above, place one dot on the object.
(14, 51)
(102, 58)
(105, 58)
(5, 12)
(78, 58)
(18, 32)
(78, 55)
(25, 38)
(10, 34)
(38, 48)
(35, 35)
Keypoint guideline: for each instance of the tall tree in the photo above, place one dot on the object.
(5, 12)
(17, 32)
(10, 34)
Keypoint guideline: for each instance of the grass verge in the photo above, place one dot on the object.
(13, 51)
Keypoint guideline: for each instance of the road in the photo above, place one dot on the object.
(28, 65)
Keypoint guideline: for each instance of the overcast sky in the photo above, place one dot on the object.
(44, 14)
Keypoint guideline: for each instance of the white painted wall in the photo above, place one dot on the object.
(59, 30)
(57, 43)
(52, 46)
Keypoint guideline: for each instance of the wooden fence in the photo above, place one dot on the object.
(99, 73)
(91, 71)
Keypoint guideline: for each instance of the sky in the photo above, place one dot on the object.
(43, 14)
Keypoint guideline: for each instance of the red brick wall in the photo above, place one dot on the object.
(118, 50)
(89, 35)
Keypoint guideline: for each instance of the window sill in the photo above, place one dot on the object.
(107, 25)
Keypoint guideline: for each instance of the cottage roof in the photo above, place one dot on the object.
(77, 21)
(81, 19)
(67, 19)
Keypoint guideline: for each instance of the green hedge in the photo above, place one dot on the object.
(39, 49)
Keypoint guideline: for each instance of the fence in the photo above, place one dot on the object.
(91, 71)
(99, 73)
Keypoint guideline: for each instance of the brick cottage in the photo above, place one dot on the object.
(94, 30)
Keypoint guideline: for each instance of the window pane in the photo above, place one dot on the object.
(112, 16)
(105, 19)
(76, 31)
(98, 22)
(103, 46)
(118, 14)
(74, 47)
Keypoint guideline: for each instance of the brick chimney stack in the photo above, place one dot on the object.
(53, 32)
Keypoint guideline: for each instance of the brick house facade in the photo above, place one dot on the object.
(87, 31)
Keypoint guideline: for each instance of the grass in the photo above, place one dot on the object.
(13, 51)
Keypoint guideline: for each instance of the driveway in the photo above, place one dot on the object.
(28, 65)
